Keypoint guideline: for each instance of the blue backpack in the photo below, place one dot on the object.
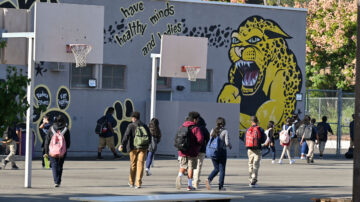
(214, 148)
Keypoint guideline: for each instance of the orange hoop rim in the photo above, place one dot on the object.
(183, 68)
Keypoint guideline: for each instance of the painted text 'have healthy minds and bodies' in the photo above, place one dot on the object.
(137, 27)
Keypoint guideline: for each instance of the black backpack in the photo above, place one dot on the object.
(321, 132)
(350, 153)
(182, 138)
(101, 125)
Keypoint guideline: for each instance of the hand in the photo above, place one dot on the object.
(45, 156)
(120, 148)
(301, 143)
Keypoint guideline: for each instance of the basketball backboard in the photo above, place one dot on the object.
(14, 20)
(58, 24)
(178, 51)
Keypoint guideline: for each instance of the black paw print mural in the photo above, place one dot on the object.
(42, 106)
(122, 116)
(22, 4)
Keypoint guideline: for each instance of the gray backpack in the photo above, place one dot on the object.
(308, 132)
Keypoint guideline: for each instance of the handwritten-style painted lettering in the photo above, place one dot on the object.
(132, 9)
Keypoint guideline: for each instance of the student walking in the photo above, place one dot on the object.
(286, 144)
(323, 128)
(254, 137)
(57, 135)
(219, 134)
(294, 139)
(10, 137)
(45, 126)
(106, 137)
(136, 140)
(188, 156)
(309, 135)
(200, 158)
(270, 141)
(155, 140)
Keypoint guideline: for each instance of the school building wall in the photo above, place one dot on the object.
(229, 28)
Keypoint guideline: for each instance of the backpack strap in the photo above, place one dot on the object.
(52, 130)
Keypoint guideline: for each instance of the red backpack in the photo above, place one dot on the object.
(253, 136)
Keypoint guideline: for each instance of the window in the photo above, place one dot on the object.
(202, 85)
(113, 76)
(80, 75)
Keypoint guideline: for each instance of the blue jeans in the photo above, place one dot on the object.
(268, 151)
(304, 148)
(219, 165)
(149, 159)
(57, 168)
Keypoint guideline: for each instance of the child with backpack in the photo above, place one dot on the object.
(270, 141)
(254, 137)
(285, 135)
(323, 128)
(156, 135)
(310, 136)
(57, 142)
(220, 138)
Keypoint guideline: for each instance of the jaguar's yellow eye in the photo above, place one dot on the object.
(235, 40)
(254, 40)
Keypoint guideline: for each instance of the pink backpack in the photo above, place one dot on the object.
(57, 147)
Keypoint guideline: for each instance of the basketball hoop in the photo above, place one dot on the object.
(192, 71)
(80, 52)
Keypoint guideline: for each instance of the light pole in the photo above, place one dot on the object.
(356, 175)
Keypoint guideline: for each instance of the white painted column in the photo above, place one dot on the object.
(153, 85)
(29, 112)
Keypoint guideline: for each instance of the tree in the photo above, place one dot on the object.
(330, 44)
(13, 104)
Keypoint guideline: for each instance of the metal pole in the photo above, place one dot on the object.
(338, 132)
(153, 85)
(28, 151)
(356, 177)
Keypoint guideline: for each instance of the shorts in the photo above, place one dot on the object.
(106, 141)
(187, 162)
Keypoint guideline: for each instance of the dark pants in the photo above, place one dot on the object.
(219, 165)
(268, 151)
(57, 168)
(149, 159)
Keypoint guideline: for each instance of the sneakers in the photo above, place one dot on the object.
(137, 187)
(253, 184)
(147, 171)
(99, 158)
(280, 162)
(178, 182)
(207, 183)
(191, 188)
(56, 185)
(130, 185)
(302, 157)
(5, 162)
(292, 161)
(308, 159)
(312, 161)
(222, 189)
(14, 167)
(273, 161)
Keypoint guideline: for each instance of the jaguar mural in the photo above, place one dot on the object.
(264, 76)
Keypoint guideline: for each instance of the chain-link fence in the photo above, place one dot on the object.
(338, 106)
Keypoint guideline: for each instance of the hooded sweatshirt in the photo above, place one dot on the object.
(196, 139)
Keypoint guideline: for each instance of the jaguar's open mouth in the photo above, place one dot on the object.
(250, 72)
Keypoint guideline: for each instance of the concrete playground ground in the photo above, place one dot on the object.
(329, 177)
